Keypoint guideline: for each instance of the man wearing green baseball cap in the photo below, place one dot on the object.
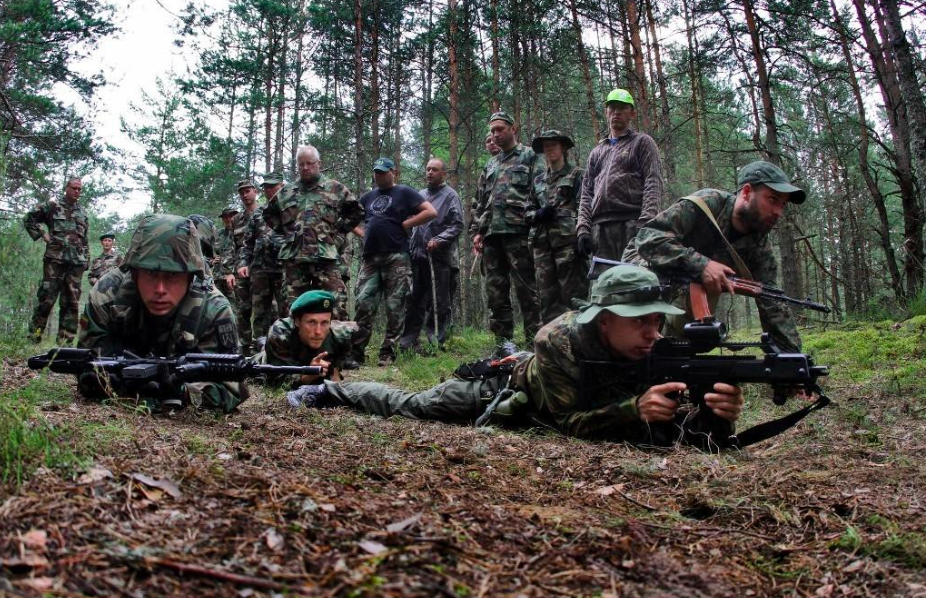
(110, 258)
(620, 322)
(623, 185)
(710, 235)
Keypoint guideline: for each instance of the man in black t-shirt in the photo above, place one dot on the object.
(390, 212)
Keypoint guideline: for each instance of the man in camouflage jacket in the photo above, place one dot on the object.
(225, 260)
(312, 214)
(110, 258)
(682, 244)
(161, 303)
(247, 192)
(502, 229)
(67, 255)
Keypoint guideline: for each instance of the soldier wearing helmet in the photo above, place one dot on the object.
(161, 302)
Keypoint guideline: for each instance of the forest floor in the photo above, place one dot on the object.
(105, 500)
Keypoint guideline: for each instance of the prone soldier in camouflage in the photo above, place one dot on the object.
(561, 271)
(225, 260)
(311, 214)
(259, 260)
(683, 244)
(67, 255)
(110, 258)
(247, 192)
(160, 302)
(620, 322)
(502, 230)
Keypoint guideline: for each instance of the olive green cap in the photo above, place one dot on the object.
(272, 178)
(229, 211)
(166, 243)
(620, 95)
(552, 135)
(502, 115)
(628, 291)
(107, 236)
(245, 183)
(766, 173)
(384, 165)
(312, 302)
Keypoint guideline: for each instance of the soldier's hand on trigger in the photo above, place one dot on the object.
(715, 279)
(726, 401)
(243, 272)
(655, 406)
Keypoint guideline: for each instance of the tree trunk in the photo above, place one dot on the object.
(665, 120)
(586, 71)
(374, 82)
(641, 101)
(695, 104)
(496, 61)
(428, 65)
(454, 68)
(358, 94)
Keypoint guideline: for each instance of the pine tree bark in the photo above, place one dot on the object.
(586, 71)
(665, 120)
(641, 101)
(695, 104)
(454, 68)
(358, 94)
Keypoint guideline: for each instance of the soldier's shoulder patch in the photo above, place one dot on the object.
(227, 333)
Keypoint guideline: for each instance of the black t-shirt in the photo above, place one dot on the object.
(384, 212)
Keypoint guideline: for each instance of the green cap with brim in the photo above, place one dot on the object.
(244, 184)
(552, 135)
(619, 95)
(272, 178)
(766, 173)
(502, 115)
(627, 291)
(229, 211)
(107, 236)
(384, 165)
(312, 302)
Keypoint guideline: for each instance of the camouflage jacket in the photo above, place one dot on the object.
(561, 190)
(240, 224)
(67, 226)
(260, 247)
(509, 177)
(103, 264)
(284, 348)
(115, 320)
(225, 259)
(311, 217)
(480, 199)
(678, 243)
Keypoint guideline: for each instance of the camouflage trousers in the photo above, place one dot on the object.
(507, 259)
(265, 288)
(609, 239)
(299, 278)
(452, 401)
(388, 274)
(60, 282)
(243, 301)
(561, 276)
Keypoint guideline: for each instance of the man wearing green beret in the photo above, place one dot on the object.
(501, 233)
(621, 323)
(110, 258)
(561, 271)
(309, 337)
(710, 235)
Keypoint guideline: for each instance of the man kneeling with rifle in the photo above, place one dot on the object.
(619, 324)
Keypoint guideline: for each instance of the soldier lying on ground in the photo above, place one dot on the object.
(621, 322)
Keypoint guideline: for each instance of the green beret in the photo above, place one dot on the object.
(108, 236)
(312, 302)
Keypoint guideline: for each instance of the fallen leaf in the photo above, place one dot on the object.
(39, 584)
(223, 457)
(327, 507)
(372, 547)
(401, 526)
(164, 484)
(273, 539)
(609, 490)
(309, 506)
(854, 566)
(94, 474)
(35, 539)
(27, 561)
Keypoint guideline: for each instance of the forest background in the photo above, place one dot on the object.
(831, 91)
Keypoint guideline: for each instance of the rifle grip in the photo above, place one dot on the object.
(697, 298)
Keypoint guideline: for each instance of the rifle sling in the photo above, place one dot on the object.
(740, 264)
(766, 430)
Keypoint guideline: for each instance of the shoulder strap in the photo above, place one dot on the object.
(740, 264)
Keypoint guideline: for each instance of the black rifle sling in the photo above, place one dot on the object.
(766, 430)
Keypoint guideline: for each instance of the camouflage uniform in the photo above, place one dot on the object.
(103, 264)
(260, 254)
(67, 255)
(224, 263)
(561, 273)
(243, 295)
(389, 274)
(678, 243)
(115, 319)
(311, 217)
(284, 348)
(500, 218)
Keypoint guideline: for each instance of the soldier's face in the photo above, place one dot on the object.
(228, 221)
(107, 244)
(490, 145)
(313, 329)
(552, 151)
(248, 196)
(502, 134)
(384, 180)
(72, 191)
(760, 208)
(620, 115)
(435, 173)
(270, 191)
(630, 338)
(309, 168)
(161, 292)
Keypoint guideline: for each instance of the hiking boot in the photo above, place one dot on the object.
(307, 395)
(505, 349)
(386, 359)
(352, 363)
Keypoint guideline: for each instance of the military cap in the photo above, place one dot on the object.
(272, 178)
(229, 211)
(552, 135)
(383, 165)
(312, 302)
(245, 183)
(619, 95)
(627, 291)
(166, 243)
(502, 115)
(107, 236)
(766, 173)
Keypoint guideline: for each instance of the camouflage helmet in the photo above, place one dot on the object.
(206, 228)
(166, 243)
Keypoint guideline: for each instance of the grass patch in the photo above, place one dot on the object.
(886, 542)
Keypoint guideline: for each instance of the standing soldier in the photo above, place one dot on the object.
(561, 272)
(501, 234)
(259, 260)
(109, 259)
(248, 194)
(225, 259)
(67, 254)
(310, 214)
(623, 187)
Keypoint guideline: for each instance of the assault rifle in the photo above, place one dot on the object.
(156, 378)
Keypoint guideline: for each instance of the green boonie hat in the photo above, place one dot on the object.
(383, 165)
(166, 243)
(272, 178)
(552, 135)
(766, 173)
(620, 95)
(312, 302)
(229, 211)
(245, 183)
(107, 236)
(206, 228)
(502, 115)
(627, 291)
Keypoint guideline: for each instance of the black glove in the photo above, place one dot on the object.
(584, 245)
(544, 214)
